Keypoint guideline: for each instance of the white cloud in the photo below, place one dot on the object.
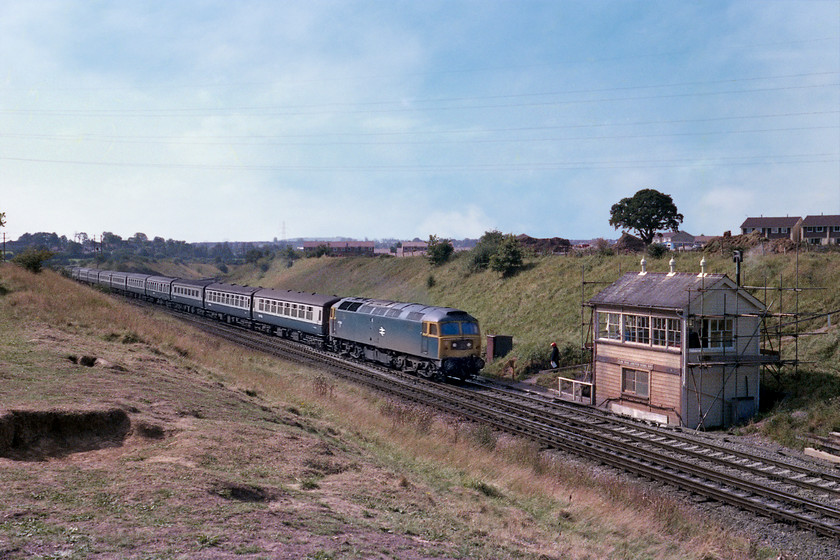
(470, 221)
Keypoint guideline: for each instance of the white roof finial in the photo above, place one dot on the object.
(702, 267)
(673, 265)
(644, 267)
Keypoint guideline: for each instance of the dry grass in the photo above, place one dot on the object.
(350, 473)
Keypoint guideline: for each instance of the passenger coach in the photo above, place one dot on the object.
(293, 314)
(229, 302)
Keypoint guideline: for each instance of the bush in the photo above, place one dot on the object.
(507, 259)
(438, 251)
(657, 250)
(484, 250)
(32, 259)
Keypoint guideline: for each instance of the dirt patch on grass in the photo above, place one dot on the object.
(36, 435)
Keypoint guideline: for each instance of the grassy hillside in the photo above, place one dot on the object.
(543, 304)
(233, 454)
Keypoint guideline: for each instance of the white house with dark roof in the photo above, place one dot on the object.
(821, 230)
(677, 348)
(675, 240)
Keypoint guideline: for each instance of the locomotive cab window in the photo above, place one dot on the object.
(450, 329)
(469, 328)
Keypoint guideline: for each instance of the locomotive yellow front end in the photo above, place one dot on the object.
(458, 344)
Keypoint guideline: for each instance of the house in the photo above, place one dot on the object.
(411, 248)
(700, 241)
(788, 227)
(677, 348)
(821, 230)
(675, 240)
(340, 248)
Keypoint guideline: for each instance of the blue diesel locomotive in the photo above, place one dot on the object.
(433, 342)
(430, 341)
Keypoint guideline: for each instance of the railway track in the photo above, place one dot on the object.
(780, 489)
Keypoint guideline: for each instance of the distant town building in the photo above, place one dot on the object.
(411, 248)
(788, 227)
(821, 230)
(675, 240)
(340, 248)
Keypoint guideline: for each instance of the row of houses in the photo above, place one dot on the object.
(362, 248)
(813, 230)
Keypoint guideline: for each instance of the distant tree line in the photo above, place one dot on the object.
(112, 248)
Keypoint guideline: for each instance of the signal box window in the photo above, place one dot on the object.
(635, 382)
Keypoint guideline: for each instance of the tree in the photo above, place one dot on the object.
(438, 251)
(32, 259)
(2, 219)
(484, 250)
(646, 212)
(508, 256)
(253, 255)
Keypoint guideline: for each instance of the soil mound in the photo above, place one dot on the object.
(553, 245)
(27, 435)
(629, 244)
(750, 241)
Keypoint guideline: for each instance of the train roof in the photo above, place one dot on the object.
(232, 288)
(408, 311)
(307, 298)
(194, 282)
(164, 279)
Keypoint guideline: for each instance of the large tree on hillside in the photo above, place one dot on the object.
(646, 212)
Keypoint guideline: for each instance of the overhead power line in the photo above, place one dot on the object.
(786, 159)
(368, 107)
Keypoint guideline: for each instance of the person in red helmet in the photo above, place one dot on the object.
(555, 356)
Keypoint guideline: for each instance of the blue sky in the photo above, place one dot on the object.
(254, 120)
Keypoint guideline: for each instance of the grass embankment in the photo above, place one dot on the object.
(543, 304)
(233, 454)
